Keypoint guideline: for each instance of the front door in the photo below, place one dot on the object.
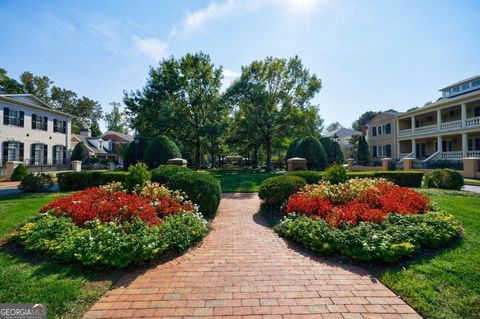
(420, 150)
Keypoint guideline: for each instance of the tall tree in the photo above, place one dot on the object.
(181, 99)
(115, 119)
(269, 92)
(333, 126)
(363, 120)
(36, 85)
(9, 85)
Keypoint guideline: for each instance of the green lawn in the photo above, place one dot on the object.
(238, 180)
(67, 291)
(447, 284)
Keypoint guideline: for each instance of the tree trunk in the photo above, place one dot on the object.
(268, 142)
(197, 155)
(255, 156)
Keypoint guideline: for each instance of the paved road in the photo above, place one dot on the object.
(472, 188)
(244, 270)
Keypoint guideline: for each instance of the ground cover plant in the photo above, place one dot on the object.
(365, 219)
(240, 180)
(106, 226)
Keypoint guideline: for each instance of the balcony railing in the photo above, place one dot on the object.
(452, 155)
(450, 125)
(405, 132)
(445, 126)
(474, 121)
(473, 153)
(425, 129)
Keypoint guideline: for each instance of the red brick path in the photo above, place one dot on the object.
(244, 270)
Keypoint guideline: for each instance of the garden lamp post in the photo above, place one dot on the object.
(335, 140)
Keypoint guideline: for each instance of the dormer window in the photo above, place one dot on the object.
(465, 86)
(476, 83)
(456, 89)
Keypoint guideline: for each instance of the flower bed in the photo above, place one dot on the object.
(106, 226)
(365, 219)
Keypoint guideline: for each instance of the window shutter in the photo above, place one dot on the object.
(45, 119)
(45, 154)
(374, 131)
(20, 155)
(55, 125)
(374, 151)
(4, 152)
(64, 126)
(389, 150)
(388, 128)
(64, 158)
(6, 118)
(22, 116)
(34, 121)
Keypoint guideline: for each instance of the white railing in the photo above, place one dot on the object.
(450, 125)
(452, 155)
(406, 155)
(432, 157)
(425, 129)
(405, 132)
(474, 121)
(473, 153)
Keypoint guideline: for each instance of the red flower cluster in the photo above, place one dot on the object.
(166, 205)
(95, 203)
(371, 206)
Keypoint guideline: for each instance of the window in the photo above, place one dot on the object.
(37, 153)
(13, 148)
(384, 151)
(384, 129)
(476, 83)
(380, 132)
(12, 117)
(39, 122)
(12, 151)
(59, 126)
(476, 112)
(58, 154)
(456, 89)
(465, 86)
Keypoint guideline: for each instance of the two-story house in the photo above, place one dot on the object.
(448, 129)
(33, 132)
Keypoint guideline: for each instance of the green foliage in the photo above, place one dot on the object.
(363, 120)
(311, 177)
(291, 148)
(335, 174)
(134, 151)
(399, 237)
(401, 178)
(115, 119)
(363, 153)
(159, 150)
(73, 181)
(201, 188)
(444, 179)
(333, 126)
(164, 173)
(240, 180)
(110, 244)
(138, 175)
(276, 190)
(333, 150)
(80, 153)
(33, 183)
(312, 150)
(19, 173)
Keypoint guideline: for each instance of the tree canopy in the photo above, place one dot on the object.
(333, 126)
(115, 120)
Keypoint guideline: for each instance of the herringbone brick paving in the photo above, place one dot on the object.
(244, 270)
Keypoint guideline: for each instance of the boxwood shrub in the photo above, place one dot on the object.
(398, 237)
(444, 179)
(275, 190)
(311, 177)
(19, 172)
(201, 188)
(163, 173)
(73, 181)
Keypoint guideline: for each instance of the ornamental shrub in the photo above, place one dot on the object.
(36, 183)
(311, 149)
(291, 149)
(134, 151)
(311, 177)
(201, 188)
(335, 174)
(363, 153)
(159, 150)
(19, 173)
(80, 153)
(333, 150)
(74, 181)
(276, 190)
(444, 179)
(398, 237)
(138, 175)
(163, 173)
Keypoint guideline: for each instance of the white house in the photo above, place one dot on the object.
(33, 132)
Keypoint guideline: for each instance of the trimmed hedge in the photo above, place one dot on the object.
(201, 188)
(19, 173)
(311, 177)
(275, 190)
(159, 150)
(162, 174)
(444, 179)
(74, 181)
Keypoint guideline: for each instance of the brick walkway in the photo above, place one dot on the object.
(244, 270)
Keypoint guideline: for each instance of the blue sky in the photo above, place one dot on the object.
(370, 55)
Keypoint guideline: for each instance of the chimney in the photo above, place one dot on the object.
(86, 132)
(364, 130)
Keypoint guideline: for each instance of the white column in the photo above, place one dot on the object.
(464, 114)
(413, 123)
(397, 155)
(464, 144)
(439, 119)
(414, 148)
(439, 144)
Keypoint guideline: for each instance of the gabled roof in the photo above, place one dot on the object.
(124, 136)
(87, 141)
(342, 132)
(475, 77)
(32, 101)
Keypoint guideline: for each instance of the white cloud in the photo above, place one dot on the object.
(214, 10)
(153, 48)
(230, 74)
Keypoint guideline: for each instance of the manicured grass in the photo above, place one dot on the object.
(469, 181)
(68, 291)
(446, 285)
(238, 180)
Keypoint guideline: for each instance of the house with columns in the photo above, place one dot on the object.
(448, 129)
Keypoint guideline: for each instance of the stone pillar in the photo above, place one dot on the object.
(296, 164)
(470, 167)
(463, 114)
(408, 163)
(10, 167)
(111, 166)
(464, 145)
(385, 162)
(177, 161)
(350, 164)
(76, 166)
